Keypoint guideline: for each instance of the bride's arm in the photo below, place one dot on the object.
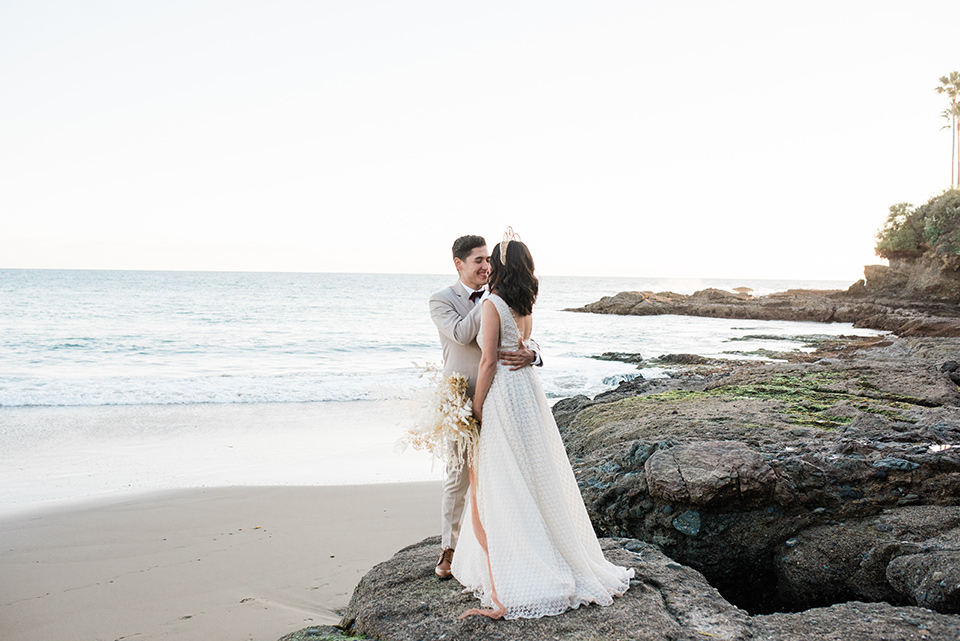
(489, 343)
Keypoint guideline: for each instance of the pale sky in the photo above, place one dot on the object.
(691, 139)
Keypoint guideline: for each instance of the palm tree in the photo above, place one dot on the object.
(956, 124)
(951, 118)
(950, 85)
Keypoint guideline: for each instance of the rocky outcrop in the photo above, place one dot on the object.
(931, 277)
(785, 501)
(709, 473)
(856, 621)
(795, 304)
(401, 600)
(907, 555)
(888, 300)
(788, 486)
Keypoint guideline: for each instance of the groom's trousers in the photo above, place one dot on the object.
(456, 482)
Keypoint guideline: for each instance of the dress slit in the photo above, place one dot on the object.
(499, 611)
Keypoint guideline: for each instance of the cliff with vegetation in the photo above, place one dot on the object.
(922, 245)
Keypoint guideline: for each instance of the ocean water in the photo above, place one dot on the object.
(96, 338)
(113, 383)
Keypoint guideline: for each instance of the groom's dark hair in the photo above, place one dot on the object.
(466, 244)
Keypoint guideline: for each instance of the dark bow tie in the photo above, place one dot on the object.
(475, 296)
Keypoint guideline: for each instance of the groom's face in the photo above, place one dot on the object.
(475, 269)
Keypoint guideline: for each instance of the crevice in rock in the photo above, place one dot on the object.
(656, 587)
(686, 486)
(754, 592)
(759, 591)
(757, 594)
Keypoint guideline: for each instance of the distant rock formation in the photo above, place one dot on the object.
(911, 298)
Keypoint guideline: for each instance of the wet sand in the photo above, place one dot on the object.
(212, 563)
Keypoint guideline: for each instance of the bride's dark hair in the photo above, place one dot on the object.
(514, 282)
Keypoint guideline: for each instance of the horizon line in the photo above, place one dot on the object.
(348, 273)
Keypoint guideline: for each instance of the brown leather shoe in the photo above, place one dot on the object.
(443, 565)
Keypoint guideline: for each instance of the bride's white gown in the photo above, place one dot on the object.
(544, 557)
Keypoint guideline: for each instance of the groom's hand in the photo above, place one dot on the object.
(518, 359)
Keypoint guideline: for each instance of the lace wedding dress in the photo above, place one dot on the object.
(541, 555)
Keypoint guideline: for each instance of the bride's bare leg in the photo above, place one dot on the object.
(499, 611)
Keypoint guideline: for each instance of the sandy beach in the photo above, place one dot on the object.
(215, 563)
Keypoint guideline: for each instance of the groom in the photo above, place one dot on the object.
(455, 311)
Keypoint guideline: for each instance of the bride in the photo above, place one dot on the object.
(528, 548)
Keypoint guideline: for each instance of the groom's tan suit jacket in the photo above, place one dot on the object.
(458, 321)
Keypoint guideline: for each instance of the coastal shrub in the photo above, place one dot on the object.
(911, 231)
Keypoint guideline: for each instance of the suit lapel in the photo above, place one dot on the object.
(464, 304)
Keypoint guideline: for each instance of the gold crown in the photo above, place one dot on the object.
(507, 237)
